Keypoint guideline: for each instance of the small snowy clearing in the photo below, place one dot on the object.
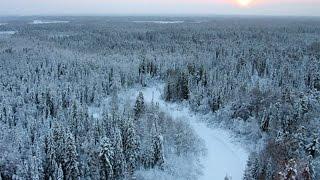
(160, 22)
(2, 24)
(48, 22)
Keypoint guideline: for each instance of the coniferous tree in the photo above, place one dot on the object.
(34, 169)
(130, 145)
(50, 158)
(252, 170)
(119, 162)
(139, 106)
(58, 140)
(106, 156)
(168, 96)
(157, 146)
(60, 173)
(70, 164)
(74, 119)
(184, 87)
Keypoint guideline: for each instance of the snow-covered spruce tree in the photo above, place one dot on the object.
(119, 161)
(139, 106)
(290, 172)
(70, 164)
(114, 103)
(49, 164)
(116, 84)
(252, 170)
(130, 145)
(184, 86)
(34, 169)
(157, 148)
(313, 148)
(92, 168)
(142, 71)
(36, 164)
(103, 125)
(74, 119)
(105, 158)
(168, 91)
(60, 173)
(58, 137)
(315, 168)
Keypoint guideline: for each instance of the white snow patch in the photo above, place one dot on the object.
(180, 169)
(59, 35)
(198, 22)
(224, 157)
(154, 174)
(160, 22)
(95, 112)
(48, 22)
(7, 32)
(2, 24)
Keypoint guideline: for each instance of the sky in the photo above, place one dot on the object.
(161, 7)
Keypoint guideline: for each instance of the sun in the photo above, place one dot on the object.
(244, 3)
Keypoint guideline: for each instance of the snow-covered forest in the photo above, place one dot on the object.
(121, 97)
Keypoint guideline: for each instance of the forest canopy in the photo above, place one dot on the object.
(263, 73)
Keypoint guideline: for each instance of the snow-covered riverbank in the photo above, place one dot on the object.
(223, 156)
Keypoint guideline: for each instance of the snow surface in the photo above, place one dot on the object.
(2, 24)
(59, 35)
(223, 156)
(95, 112)
(7, 32)
(160, 22)
(48, 22)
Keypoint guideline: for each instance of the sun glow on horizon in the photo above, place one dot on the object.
(244, 3)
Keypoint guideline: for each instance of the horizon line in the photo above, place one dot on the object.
(155, 15)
